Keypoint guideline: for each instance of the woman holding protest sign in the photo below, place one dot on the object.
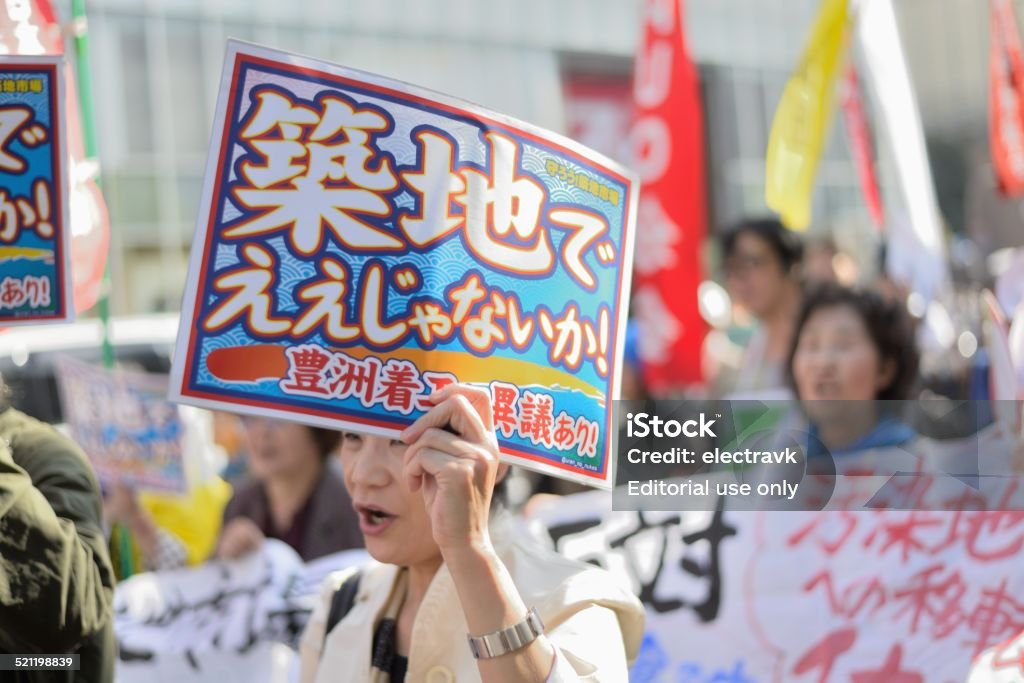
(457, 595)
(294, 494)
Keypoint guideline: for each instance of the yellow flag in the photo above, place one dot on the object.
(802, 118)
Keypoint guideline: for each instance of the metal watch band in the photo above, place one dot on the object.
(509, 639)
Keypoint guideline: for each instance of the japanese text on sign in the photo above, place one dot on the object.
(364, 244)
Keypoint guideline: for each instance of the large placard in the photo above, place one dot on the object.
(363, 242)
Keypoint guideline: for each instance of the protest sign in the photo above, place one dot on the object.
(363, 242)
(125, 424)
(225, 621)
(806, 597)
(35, 279)
(32, 28)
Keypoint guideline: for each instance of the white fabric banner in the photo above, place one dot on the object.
(917, 245)
(222, 621)
(816, 597)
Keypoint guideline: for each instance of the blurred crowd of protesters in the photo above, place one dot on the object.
(798, 332)
(769, 271)
(294, 493)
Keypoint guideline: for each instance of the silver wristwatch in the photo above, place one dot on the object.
(507, 639)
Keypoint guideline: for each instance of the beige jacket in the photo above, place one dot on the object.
(595, 624)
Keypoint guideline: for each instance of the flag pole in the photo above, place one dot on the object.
(84, 82)
(125, 549)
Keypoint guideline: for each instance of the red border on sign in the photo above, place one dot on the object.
(216, 197)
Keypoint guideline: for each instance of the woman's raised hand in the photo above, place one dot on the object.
(453, 459)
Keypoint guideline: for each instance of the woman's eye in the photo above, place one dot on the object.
(397, 443)
(352, 438)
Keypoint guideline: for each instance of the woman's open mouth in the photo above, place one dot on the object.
(373, 520)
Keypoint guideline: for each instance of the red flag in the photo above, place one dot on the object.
(30, 28)
(1006, 99)
(862, 144)
(668, 153)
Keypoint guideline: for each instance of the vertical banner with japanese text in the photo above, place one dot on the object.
(363, 242)
(1006, 99)
(667, 142)
(35, 283)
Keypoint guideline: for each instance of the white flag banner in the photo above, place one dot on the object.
(918, 246)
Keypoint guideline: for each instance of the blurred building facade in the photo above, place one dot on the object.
(563, 65)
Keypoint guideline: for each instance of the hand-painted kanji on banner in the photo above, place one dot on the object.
(363, 242)
(836, 596)
(34, 273)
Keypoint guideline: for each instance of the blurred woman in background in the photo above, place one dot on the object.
(293, 493)
(851, 355)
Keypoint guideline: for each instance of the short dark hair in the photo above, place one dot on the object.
(327, 440)
(888, 324)
(786, 244)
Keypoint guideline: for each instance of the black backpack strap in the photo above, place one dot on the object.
(342, 601)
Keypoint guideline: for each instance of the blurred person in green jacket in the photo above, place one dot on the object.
(56, 582)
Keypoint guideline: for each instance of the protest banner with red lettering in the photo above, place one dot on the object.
(29, 27)
(363, 242)
(35, 284)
